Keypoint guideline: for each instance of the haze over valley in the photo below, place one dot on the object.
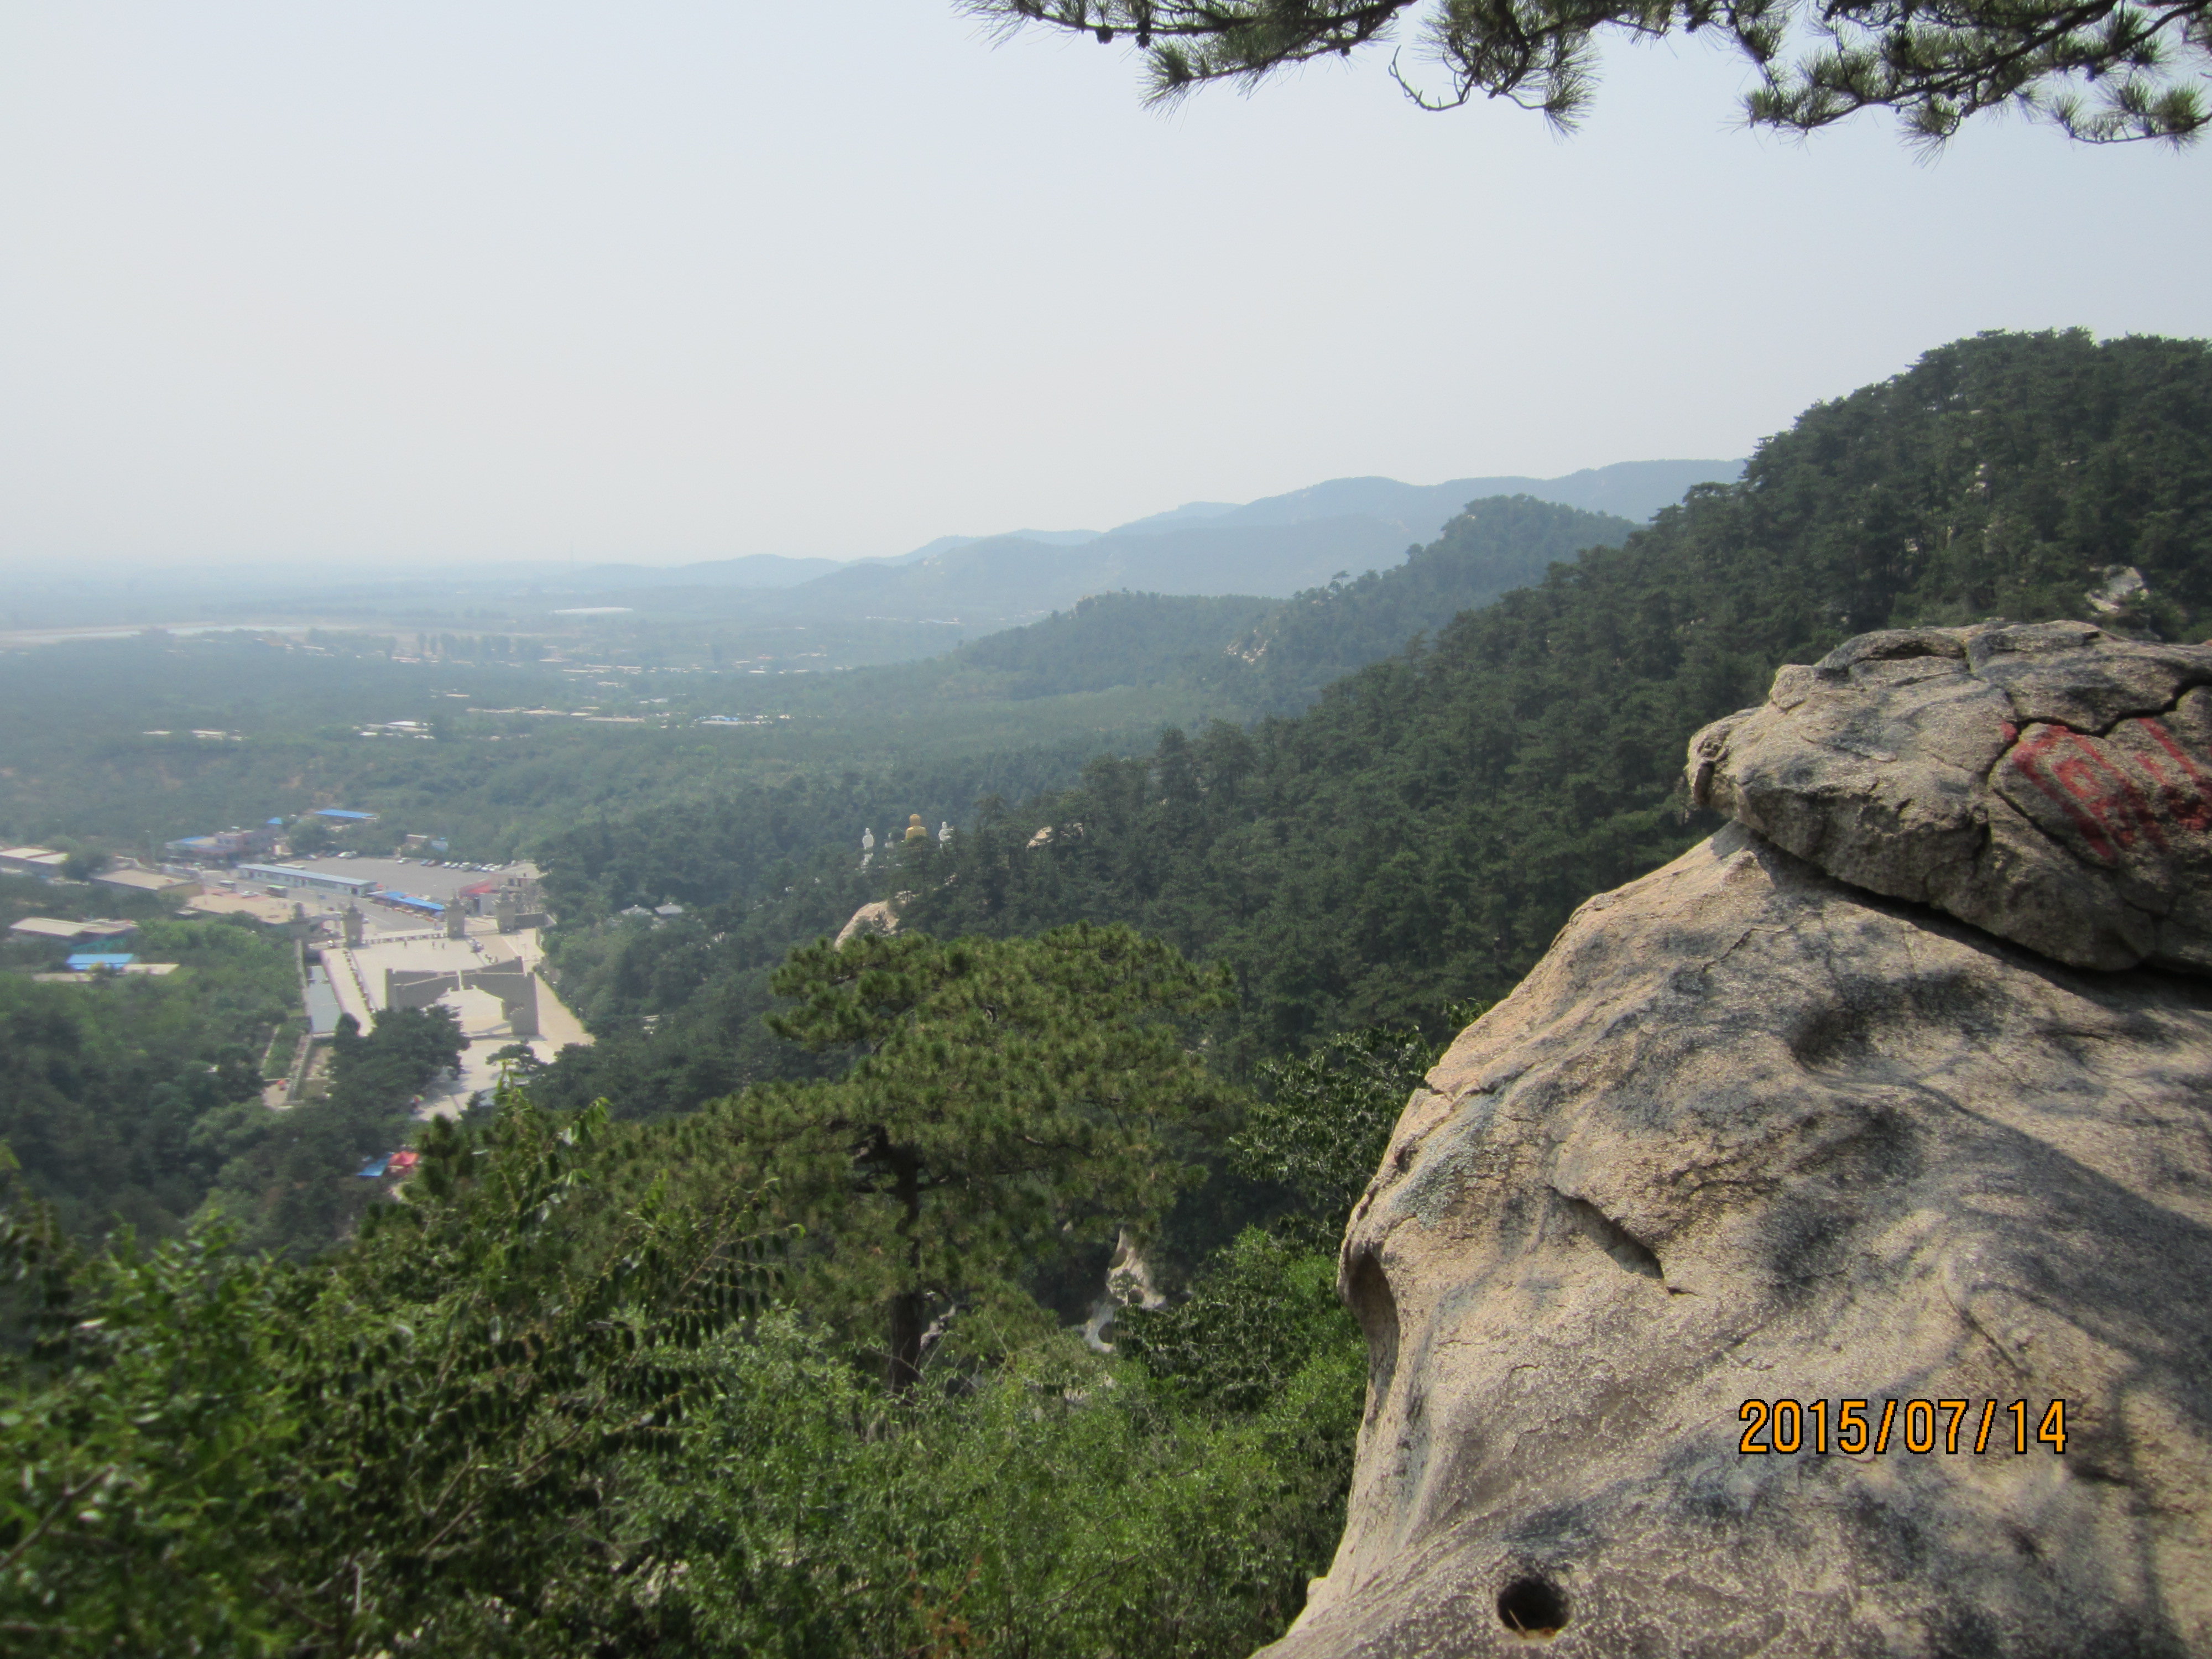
(630, 1028)
(877, 609)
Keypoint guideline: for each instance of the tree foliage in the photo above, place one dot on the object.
(118, 1096)
(676, 1007)
(219, 1453)
(582, 1389)
(546, 1405)
(1249, 1323)
(1008, 1098)
(1324, 1116)
(287, 1180)
(2101, 71)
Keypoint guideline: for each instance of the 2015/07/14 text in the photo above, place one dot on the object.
(1790, 1425)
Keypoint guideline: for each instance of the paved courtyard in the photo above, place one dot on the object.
(357, 974)
(398, 941)
(393, 938)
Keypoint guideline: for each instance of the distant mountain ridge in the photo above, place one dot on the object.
(1425, 828)
(1275, 546)
(1271, 548)
(1011, 578)
(1625, 489)
(1273, 657)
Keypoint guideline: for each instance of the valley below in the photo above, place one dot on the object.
(1392, 1070)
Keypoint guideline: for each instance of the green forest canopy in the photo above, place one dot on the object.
(1418, 835)
(1007, 1100)
(578, 1391)
(1421, 834)
(585, 1389)
(700, 984)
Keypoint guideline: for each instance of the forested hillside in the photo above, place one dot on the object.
(1496, 546)
(1421, 834)
(699, 1385)
(1246, 656)
(799, 1349)
(117, 1098)
(136, 1100)
(1102, 641)
(1416, 837)
(676, 1007)
(124, 745)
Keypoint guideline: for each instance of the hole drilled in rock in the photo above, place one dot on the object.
(1533, 1607)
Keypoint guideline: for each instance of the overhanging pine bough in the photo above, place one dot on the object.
(2104, 71)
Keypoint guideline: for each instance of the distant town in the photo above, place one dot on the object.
(409, 931)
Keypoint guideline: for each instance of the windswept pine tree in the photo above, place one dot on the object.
(1005, 1100)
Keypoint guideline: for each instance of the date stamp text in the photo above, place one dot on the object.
(1875, 1427)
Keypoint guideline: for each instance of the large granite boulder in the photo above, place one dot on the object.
(1748, 1132)
(2051, 783)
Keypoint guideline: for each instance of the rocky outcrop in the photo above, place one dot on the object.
(2051, 784)
(879, 916)
(1128, 1284)
(1750, 1132)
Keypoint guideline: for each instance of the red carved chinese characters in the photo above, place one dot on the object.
(2115, 794)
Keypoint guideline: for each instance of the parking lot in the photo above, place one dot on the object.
(399, 875)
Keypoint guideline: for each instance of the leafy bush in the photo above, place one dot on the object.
(543, 1407)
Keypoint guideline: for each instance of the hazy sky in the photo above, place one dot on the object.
(672, 281)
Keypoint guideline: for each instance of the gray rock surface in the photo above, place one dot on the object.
(880, 916)
(2051, 783)
(1748, 1132)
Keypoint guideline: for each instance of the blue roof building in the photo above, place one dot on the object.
(343, 816)
(87, 962)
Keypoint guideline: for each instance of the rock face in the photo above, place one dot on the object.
(2051, 784)
(1749, 1133)
(877, 917)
